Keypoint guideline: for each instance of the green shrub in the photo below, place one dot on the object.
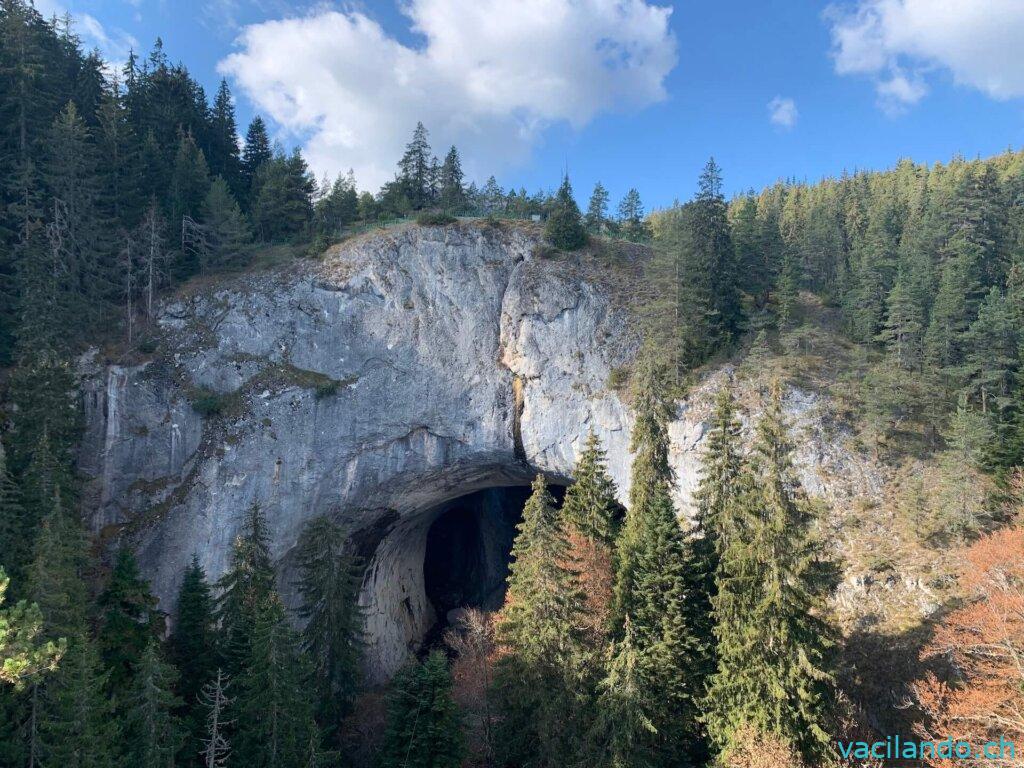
(208, 403)
(326, 388)
(618, 378)
(435, 219)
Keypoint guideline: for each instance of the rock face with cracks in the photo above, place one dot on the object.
(375, 385)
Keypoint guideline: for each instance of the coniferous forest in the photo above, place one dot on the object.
(626, 639)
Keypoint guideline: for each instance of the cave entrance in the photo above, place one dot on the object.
(468, 551)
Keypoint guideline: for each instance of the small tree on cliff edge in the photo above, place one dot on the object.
(565, 224)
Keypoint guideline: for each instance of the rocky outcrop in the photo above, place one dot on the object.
(375, 385)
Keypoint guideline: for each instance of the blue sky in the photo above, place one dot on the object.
(630, 92)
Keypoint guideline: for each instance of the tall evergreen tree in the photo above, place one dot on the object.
(329, 583)
(414, 170)
(564, 228)
(244, 590)
(590, 504)
(773, 641)
(452, 189)
(597, 210)
(423, 728)
(255, 154)
(129, 621)
(714, 525)
(227, 231)
(651, 579)
(223, 154)
(191, 649)
(540, 628)
(275, 727)
(152, 731)
(14, 538)
(631, 217)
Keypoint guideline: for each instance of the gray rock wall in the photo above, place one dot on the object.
(398, 372)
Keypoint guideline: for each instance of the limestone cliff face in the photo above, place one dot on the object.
(396, 373)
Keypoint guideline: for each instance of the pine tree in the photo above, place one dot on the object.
(597, 210)
(244, 590)
(152, 731)
(540, 629)
(129, 621)
(452, 190)
(329, 582)
(275, 704)
(564, 228)
(423, 728)
(773, 642)
(23, 655)
(226, 228)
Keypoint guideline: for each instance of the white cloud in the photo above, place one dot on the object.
(489, 76)
(783, 112)
(900, 42)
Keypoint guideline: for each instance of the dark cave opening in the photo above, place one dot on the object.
(468, 551)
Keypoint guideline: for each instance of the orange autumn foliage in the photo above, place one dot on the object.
(981, 699)
(591, 563)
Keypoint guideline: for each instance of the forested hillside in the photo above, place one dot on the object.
(626, 638)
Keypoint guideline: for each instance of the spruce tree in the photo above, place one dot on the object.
(903, 330)
(227, 231)
(540, 629)
(714, 525)
(773, 641)
(414, 170)
(129, 621)
(275, 726)
(191, 649)
(590, 504)
(74, 722)
(631, 217)
(152, 733)
(597, 210)
(423, 727)
(244, 590)
(255, 155)
(624, 734)
(651, 578)
(564, 228)
(329, 582)
(223, 154)
(452, 191)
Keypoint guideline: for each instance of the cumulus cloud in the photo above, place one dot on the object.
(900, 43)
(783, 112)
(488, 76)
